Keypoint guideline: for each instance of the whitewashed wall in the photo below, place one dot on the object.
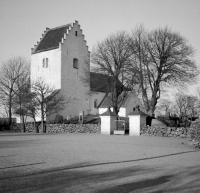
(52, 74)
(95, 95)
(72, 79)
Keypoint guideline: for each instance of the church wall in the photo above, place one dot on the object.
(71, 78)
(95, 96)
(51, 74)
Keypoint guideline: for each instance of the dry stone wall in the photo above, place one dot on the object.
(71, 128)
(192, 132)
(166, 131)
(195, 133)
(18, 127)
(60, 128)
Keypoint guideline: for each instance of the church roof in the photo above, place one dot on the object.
(101, 82)
(51, 38)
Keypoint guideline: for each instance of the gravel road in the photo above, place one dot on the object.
(97, 163)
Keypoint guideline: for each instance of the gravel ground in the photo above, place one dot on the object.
(97, 163)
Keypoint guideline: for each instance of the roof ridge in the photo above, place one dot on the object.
(69, 24)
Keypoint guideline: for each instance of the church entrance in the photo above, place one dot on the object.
(120, 127)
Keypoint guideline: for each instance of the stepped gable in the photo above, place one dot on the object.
(52, 38)
(101, 82)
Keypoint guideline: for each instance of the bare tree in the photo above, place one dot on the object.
(187, 104)
(165, 106)
(22, 95)
(20, 104)
(4, 106)
(193, 102)
(111, 58)
(47, 101)
(32, 109)
(12, 70)
(161, 58)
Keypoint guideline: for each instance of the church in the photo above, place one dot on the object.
(61, 58)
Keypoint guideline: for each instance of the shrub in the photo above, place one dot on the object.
(58, 119)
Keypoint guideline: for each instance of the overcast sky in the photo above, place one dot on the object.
(22, 22)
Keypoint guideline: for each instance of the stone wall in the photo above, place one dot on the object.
(18, 127)
(195, 133)
(60, 128)
(192, 132)
(166, 131)
(71, 128)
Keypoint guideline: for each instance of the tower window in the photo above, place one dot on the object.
(45, 62)
(76, 33)
(75, 63)
(95, 103)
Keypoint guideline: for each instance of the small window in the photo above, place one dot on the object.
(47, 62)
(43, 65)
(95, 103)
(75, 63)
(76, 33)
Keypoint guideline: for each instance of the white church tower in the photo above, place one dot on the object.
(60, 58)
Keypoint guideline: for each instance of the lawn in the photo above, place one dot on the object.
(97, 163)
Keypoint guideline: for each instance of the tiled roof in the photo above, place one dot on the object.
(101, 82)
(51, 38)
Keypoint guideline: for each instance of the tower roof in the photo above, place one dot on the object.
(51, 38)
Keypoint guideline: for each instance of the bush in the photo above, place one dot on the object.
(58, 119)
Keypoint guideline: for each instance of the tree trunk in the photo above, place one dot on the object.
(42, 125)
(10, 114)
(23, 122)
(151, 111)
(115, 96)
(154, 100)
(42, 119)
(36, 128)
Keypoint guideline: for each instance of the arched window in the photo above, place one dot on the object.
(75, 63)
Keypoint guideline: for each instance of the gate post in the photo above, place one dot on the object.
(137, 119)
(108, 125)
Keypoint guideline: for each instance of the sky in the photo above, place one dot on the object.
(22, 22)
